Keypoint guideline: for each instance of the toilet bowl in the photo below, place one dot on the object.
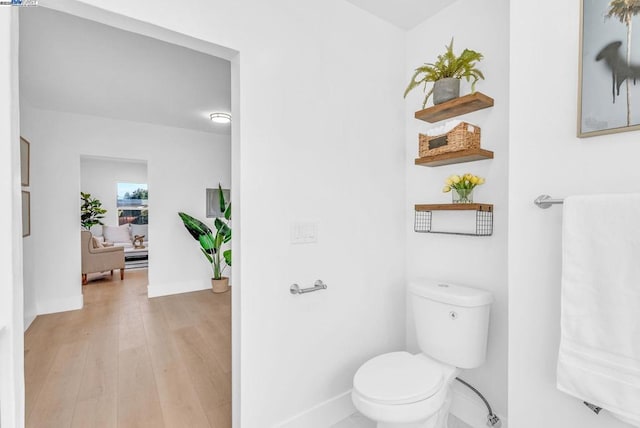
(403, 390)
(399, 389)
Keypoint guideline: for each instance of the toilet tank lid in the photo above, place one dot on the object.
(445, 292)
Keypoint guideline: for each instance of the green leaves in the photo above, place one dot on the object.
(211, 244)
(224, 207)
(91, 211)
(221, 200)
(447, 65)
(195, 227)
(207, 255)
(466, 63)
(223, 229)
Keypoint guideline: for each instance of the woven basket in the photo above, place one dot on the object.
(463, 136)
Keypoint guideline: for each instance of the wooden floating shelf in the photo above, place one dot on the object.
(454, 207)
(456, 107)
(450, 158)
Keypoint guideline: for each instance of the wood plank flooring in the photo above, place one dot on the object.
(128, 361)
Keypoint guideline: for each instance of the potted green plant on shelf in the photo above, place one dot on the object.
(91, 211)
(211, 245)
(445, 74)
(462, 187)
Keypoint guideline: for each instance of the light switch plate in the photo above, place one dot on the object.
(304, 232)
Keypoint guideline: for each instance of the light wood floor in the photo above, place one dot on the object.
(128, 361)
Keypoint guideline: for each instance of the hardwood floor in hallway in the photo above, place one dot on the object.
(128, 361)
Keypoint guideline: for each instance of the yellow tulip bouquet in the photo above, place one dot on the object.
(462, 187)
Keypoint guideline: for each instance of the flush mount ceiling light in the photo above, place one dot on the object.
(220, 117)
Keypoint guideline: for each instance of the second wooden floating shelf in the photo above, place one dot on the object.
(454, 207)
(460, 156)
(455, 107)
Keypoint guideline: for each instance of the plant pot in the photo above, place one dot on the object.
(220, 285)
(445, 90)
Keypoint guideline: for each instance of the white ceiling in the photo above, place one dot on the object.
(74, 65)
(403, 13)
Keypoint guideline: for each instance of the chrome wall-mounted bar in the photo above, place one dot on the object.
(318, 285)
(545, 201)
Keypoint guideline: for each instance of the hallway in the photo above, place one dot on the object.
(128, 361)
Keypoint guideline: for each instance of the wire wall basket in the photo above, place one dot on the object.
(484, 220)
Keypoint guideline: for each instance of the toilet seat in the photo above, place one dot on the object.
(399, 378)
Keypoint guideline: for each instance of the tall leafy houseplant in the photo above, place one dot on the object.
(210, 244)
(447, 65)
(91, 211)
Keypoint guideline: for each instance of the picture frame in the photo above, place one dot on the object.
(25, 161)
(213, 205)
(26, 213)
(608, 99)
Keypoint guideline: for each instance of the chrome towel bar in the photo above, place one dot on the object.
(545, 201)
(318, 285)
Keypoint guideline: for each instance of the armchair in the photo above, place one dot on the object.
(100, 259)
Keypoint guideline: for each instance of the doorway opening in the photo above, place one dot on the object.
(113, 96)
(115, 197)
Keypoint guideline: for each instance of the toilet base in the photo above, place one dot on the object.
(436, 421)
(424, 424)
(415, 425)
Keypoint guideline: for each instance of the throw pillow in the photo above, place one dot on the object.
(96, 242)
(116, 233)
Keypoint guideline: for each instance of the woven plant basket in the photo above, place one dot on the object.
(462, 137)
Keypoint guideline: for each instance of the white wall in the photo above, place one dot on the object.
(546, 157)
(475, 261)
(11, 304)
(321, 136)
(181, 165)
(100, 177)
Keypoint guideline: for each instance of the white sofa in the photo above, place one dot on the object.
(121, 236)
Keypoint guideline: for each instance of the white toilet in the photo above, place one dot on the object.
(402, 390)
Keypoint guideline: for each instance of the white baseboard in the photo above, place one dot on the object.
(169, 288)
(53, 306)
(469, 408)
(322, 415)
(466, 406)
(28, 319)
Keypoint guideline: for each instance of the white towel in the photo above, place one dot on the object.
(444, 128)
(599, 358)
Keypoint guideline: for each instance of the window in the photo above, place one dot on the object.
(133, 205)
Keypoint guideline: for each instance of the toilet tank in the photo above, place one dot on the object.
(452, 321)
